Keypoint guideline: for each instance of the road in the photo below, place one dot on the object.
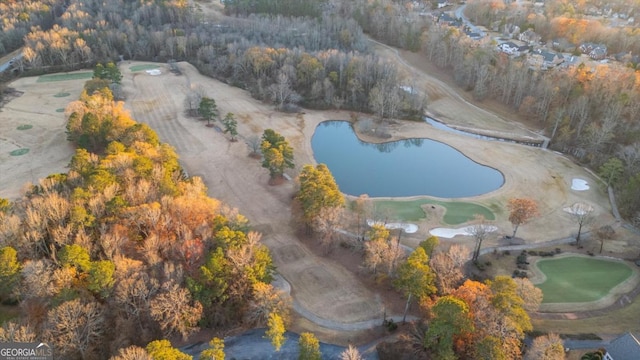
(8, 60)
(460, 15)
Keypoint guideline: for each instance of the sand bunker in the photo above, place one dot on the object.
(467, 231)
(408, 228)
(579, 184)
(579, 209)
(154, 72)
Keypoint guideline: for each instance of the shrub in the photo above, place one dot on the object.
(558, 250)
(390, 325)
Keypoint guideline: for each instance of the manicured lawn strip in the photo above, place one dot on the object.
(613, 322)
(580, 279)
(142, 67)
(410, 210)
(62, 77)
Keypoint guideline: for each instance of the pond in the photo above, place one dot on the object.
(402, 168)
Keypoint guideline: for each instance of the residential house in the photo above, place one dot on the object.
(543, 60)
(470, 33)
(510, 30)
(530, 37)
(447, 19)
(513, 49)
(595, 51)
(623, 347)
(562, 45)
(443, 3)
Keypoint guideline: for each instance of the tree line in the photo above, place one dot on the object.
(123, 249)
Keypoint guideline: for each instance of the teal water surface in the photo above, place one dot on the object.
(399, 168)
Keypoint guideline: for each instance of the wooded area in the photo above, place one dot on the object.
(323, 61)
(123, 249)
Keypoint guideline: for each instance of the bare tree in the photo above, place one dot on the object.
(480, 231)
(449, 267)
(531, 295)
(132, 353)
(604, 233)
(172, 309)
(253, 142)
(76, 328)
(326, 224)
(351, 353)
(546, 347)
(582, 214)
(13, 332)
(282, 92)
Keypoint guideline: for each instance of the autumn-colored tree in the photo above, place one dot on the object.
(449, 267)
(268, 300)
(450, 320)
(430, 244)
(415, 278)
(14, 332)
(521, 211)
(101, 279)
(9, 272)
(318, 190)
(215, 350)
(75, 255)
(309, 347)
(546, 347)
(276, 152)
(275, 331)
(163, 350)
(381, 250)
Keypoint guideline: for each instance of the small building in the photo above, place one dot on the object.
(443, 3)
(512, 49)
(447, 19)
(623, 347)
(530, 37)
(543, 60)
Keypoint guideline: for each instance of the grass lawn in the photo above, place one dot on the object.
(456, 213)
(142, 67)
(62, 77)
(580, 279)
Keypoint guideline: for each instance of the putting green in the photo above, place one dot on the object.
(576, 279)
(65, 76)
(411, 210)
(142, 67)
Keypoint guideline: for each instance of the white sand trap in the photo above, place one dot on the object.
(579, 184)
(408, 228)
(467, 230)
(154, 72)
(579, 209)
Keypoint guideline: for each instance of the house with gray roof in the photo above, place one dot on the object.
(625, 347)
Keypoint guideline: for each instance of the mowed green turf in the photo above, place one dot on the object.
(411, 210)
(62, 77)
(142, 67)
(580, 279)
